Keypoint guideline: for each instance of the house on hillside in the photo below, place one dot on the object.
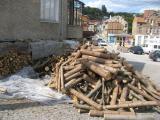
(40, 20)
(115, 31)
(146, 26)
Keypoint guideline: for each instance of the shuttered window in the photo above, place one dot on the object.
(50, 10)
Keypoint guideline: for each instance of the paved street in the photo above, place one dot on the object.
(145, 65)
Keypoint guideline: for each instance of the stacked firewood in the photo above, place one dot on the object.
(103, 84)
(13, 61)
(44, 66)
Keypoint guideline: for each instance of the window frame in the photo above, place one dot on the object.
(43, 14)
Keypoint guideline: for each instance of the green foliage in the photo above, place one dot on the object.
(104, 10)
(93, 13)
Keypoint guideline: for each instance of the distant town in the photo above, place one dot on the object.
(145, 29)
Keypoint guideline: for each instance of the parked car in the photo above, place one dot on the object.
(136, 50)
(102, 43)
(155, 56)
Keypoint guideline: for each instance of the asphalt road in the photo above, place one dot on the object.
(145, 65)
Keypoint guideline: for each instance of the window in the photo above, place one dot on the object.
(50, 10)
(75, 12)
(159, 47)
(155, 46)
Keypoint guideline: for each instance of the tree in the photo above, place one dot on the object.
(93, 13)
(104, 10)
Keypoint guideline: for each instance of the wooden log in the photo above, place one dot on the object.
(150, 92)
(70, 67)
(135, 104)
(85, 107)
(76, 69)
(139, 97)
(100, 71)
(98, 86)
(82, 111)
(96, 54)
(62, 77)
(124, 95)
(75, 75)
(119, 117)
(145, 82)
(77, 55)
(59, 80)
(96, 113)
(85, 46)
(85, 99)
(115, 65)
(99, 60)
(114, 95)
(128, 66)
(102, 50)
(141, 93)
(88, 79)
(73, 82)
(110, 69)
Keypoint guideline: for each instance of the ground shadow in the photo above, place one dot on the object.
(139, 66)
(15, 106)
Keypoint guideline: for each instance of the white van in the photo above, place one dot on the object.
(151, 45)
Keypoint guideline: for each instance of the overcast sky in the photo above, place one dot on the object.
(125, 5)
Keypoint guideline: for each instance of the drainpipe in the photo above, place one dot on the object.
(61, 21)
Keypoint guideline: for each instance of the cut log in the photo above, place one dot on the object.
(141, 93)
(100, 71)
(98, 86)
(119, 117)
(129, 105)
(96, 113)
(77, 69)
(114, 95)
(99, 60)
(124, 95)
(86, 107)
(75, 75)
(86, 99)
(96, 54)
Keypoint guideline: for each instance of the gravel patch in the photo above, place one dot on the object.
(27, 110)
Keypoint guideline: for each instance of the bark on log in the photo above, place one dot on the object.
(150, 92)
(141, 93)
(96, 54)
(100, 71)
(82, 111)
(77, 69)
(98, 86)
(119, 117)
(66, 68)
(62, 78)
(73, 76)
(96, 113)
(124, 94)
(86, 107)
(139, 97)
(88, 79)
(73, 82)
(129, 105)
(99, 60)
(85, 99)
(114, 95)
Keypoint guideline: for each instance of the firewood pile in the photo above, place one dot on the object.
(103, 84)
(13, 61)
(45, 66)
